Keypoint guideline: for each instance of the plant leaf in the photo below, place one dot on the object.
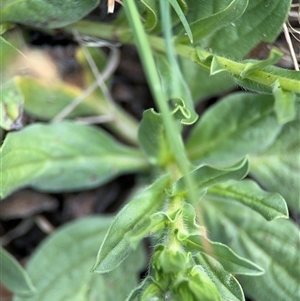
(229, 288)
(59, 267)
(272, 245)
(46, 13)
(278, 168)
(221, 137)
(63, 156)
(274, 56)
(11, 106)
(152, 138)
(117, 245)
(39, 95)
(179, 96)
(206, 176)
(205, 26)
(202, 85)
(265, 21)
(230, 261)
(197, 286)
(284, 103)
(13, 276)
(264, 80)
(247, 192)
(149, 13)
(182, 18)
(259, 80)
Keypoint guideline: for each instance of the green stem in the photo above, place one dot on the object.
(145, 52)
(123, 35)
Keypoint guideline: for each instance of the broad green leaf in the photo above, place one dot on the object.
(230, 261)
(229, 288)
(240, 124)
(152, 138)
(11, 106)
(206, 176)
(264, 21)
(205, 26)
(284, 103)
(272, 245)
(117, 245)
(13, 276)
(60, 267)
(63, 156)
(269, 205)
(278, 168)
(46, 13)
(46, 101)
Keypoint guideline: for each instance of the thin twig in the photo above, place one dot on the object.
(68, 109)
(291, 48)
(113, 61)
(95, 119)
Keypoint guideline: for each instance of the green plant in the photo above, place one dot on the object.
(208, 219)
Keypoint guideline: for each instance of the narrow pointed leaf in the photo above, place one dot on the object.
(182, 18)
(230, 261)
(206, 176)
(198, 286)
(117, 244)
(63, 156)
(13, 276)
(273, 58)
(229, 288)
(269, 205)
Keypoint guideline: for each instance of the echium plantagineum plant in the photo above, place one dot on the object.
(216, 207)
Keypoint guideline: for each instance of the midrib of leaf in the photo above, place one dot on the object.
(220, 280)
(79, 157)
(266, 161)
(207, 146)
(234, 193)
